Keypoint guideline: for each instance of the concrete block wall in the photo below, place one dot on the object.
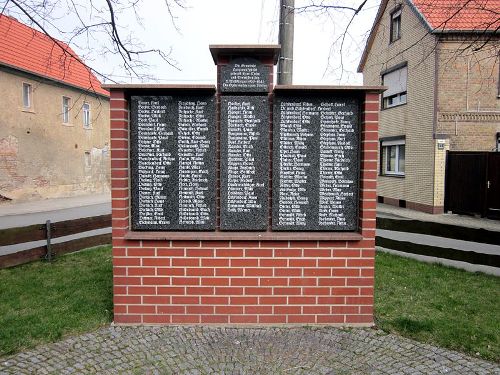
(235, 281)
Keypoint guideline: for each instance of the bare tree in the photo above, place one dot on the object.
(349, 33)
(349, 25)
(96, 29)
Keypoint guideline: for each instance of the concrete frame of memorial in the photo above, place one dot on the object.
(244, 203)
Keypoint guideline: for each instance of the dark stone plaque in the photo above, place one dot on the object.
(244, 74)
(244, 162)
(315, 163)
(173, 162)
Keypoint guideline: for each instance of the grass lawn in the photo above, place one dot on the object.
(443, 306)
(41, 302)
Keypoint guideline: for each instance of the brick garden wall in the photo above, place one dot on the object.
(236, 281)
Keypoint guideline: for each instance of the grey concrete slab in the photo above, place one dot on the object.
(385, 210)
(238, 350)
(23, 207)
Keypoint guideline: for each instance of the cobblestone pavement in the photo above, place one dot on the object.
(224, 350)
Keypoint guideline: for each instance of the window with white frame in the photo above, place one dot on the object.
(395, 25)
(393, 156)
(395, 81)
(27, 95)
(86, 115)
(66, 104)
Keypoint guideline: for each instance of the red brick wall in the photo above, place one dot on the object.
(233, 281)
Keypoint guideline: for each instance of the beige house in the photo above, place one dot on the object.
(54, 119)
(440, 63)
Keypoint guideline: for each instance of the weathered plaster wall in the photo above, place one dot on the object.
(40, 157)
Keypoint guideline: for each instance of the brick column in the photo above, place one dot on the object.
(119, 119)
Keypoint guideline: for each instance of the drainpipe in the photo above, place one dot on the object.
(467, 86)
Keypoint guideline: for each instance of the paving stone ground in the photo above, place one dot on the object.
(230, 350)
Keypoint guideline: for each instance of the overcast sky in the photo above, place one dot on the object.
(249, 22)
(205, 22)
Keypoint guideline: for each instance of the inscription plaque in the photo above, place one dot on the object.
(244, 74)
(173, 162)
(315, 163)
(244, 162)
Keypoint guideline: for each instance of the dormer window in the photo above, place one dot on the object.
(395, 25)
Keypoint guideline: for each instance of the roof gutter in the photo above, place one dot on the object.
(50, 79)
(464, 31)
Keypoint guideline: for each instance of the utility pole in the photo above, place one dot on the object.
(285, 63)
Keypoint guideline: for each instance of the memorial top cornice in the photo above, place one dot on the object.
(247, 50)
(328, 88)
(153, 86)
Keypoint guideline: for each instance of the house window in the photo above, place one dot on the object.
(27, 93)
(395, 25)
(395, 80)
(86, 115)
(65, 109)
(393, 157)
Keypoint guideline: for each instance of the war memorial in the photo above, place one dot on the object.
(244, 203)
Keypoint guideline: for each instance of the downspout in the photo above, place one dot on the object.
(436, 76)
(467, 86)
(434, 120)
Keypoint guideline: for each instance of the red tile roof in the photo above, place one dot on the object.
(460, 15)
(440, 16)
(30, 50)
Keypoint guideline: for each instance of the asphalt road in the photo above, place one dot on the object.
(38, 212)
(25, 219)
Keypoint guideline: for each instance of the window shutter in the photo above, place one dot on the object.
(395, 81)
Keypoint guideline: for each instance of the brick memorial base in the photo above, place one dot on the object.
(218, 277)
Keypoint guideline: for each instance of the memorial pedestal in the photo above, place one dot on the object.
(245, 203)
